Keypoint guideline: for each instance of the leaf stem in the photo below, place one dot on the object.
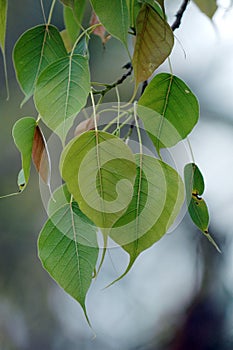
(179, 15)
(51, 12)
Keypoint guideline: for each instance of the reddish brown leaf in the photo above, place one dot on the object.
(40, 156)
(100, 30)
(85, 125)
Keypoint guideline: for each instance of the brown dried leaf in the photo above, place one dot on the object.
(40, 156)
(154, 42)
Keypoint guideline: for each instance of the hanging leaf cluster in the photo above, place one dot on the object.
(129, 198)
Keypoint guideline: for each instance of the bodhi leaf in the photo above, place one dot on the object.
(170, 97)
(114, 17)
(154, 42)
(158, 197)
(34, 50)
(40, 156)
(208, 7)
(99, 170)
(68, 250)
(198, 211)
(23, 134)
(61, 92)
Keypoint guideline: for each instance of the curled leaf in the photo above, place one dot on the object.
(40, 156)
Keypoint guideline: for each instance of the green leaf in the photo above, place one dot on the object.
(61, 92)
(158, 197)
(23, 134)
(35, 50)
(99, 170)
(173, 100)
(209, 7)
(3, 19)
(114, 17)
(154, 42)
(73, 18)
(198, 211)
(194, 182)
(68, 250)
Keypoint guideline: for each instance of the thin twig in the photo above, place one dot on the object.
(179, 15)
(119, 81)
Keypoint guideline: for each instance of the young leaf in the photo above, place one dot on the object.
(40, 156)
(68, 250)
(198, 211)
(173, 100)
(100, 30)
(99, 170)
(114, 17)
(209, 7)
(61, 92)
(154, 42)
(21, 182)
(34, 50)
(158, 197)
(23, 134)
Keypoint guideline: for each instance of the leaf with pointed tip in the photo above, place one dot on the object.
(158, 197)
(198, 211)
(169, 96)
(3, 18)
(154, 43)
(61, 92)
(208, 7)
(68, 250)
(99, 170)
(40, 156)
(23, 134)
(35, 50)
(115, 18)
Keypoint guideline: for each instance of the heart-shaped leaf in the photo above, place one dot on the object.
(61, 92)
(35, 49)
(68, 250)
(170, 97)
(158, 197)
(99, 170)
(154, 42)
(114, 17)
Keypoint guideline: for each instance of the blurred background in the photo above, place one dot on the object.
(179, 294)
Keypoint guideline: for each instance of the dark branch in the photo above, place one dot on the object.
(119, 81)
(179, 15)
